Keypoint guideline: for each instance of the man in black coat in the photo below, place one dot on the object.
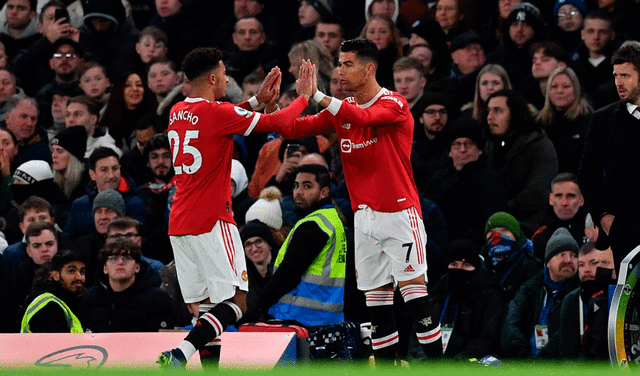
(468, 191)
(565, 210)
(125, 299)
(610, 155)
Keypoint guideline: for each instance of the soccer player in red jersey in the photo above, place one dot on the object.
(375, 131)
(208, 251)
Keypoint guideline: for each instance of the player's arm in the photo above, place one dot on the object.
(389, 110)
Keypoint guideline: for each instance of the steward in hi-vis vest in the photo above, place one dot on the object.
(55, 295)
(309, 272)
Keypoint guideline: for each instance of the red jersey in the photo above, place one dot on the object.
(201, 137)
(375, 146)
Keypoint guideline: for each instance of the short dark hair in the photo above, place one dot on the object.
(33, 5)
(564, 177)
(92, 105)
(36, 228)
(363, 48)
(550, 49)
(201, 61)
(598, 14)
(62, 258)
(119, 247)
(99, 153)
(53, 3)
(157, 141)
(320, 172)
(34, 203)
(123, 223)
(587, 248)
(88, 65)
(627, 54)
(520, 115)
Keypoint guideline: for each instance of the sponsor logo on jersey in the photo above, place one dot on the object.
(242, 112)
(409, 269)
(347, 146)
(345, 126)
(184, 115)
(398, 101)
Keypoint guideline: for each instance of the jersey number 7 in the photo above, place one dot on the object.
(174, 141)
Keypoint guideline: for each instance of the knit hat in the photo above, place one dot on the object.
(465, 250)
(109, 198)
(505, 220)
(239, 176)
(526, 12)
(580, 4)
(73, 140)
(267, 209)
(434, 97)
(257, 228)
(33, 171)
(467, 128)
(560, 241)
(465, 39)
(394, 16)
(323, 7)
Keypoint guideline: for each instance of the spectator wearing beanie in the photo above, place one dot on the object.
(260, 251)
(107, 206)
(69, 172)
(533, 316)
(35, 178)
(468, 190)
(430, 146)
(508, 253)
(568, 16)
(523, 27)
(468, 299)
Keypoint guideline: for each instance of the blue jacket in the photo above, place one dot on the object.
(80, 221)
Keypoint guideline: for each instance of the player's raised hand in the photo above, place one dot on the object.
(304, 83)
(270, 87)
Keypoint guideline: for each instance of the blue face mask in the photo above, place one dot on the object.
(500, 246)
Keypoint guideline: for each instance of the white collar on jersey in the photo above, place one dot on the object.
(382, 92)
(194, 100)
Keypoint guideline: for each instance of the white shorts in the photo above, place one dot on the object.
(210, 265)
(389, 247)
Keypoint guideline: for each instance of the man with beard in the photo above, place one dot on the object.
(64, 62)
(55, 295)
(105, 173)
(533, 316)
(309, 272)
(430, 146)
(155, 193)
(609, 147)
(583, 331)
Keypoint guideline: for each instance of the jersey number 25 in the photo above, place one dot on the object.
(174, 140)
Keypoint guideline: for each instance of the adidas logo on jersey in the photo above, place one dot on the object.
(409, 269)
(346, 125)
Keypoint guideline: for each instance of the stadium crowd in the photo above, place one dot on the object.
(502, 94)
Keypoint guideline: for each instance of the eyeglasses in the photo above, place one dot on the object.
(572, 13)
(114, 258)
(456, 145)
(58, 55)
(128, 235)
(432, 112)
(258, 243)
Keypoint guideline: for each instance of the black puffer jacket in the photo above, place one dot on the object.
(143, 307)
